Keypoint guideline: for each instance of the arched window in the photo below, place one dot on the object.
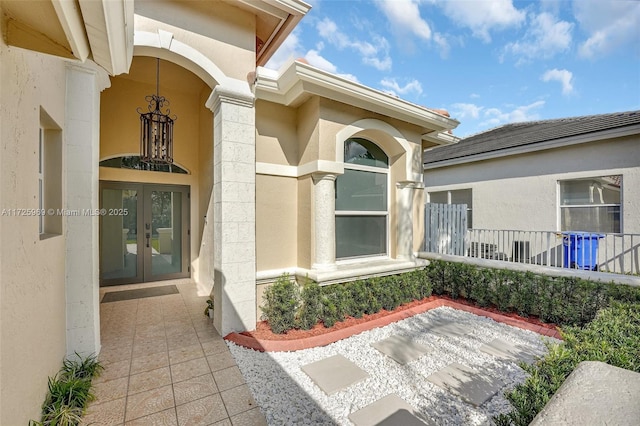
(362, 201)
(133, 162)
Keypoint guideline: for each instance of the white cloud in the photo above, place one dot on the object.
(610, 25)
(474, 96)
(315, 59)
(289, 49)
(483, 16)
(545, 37)
(394, 88)
(494, 116)
(404, 16)
(376, 55)
(563, 76)
(463, 110)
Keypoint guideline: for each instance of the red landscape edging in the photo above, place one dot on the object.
(264, 345)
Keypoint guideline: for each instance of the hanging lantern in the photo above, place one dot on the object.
(156, 128)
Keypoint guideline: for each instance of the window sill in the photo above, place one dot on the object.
(47, 236)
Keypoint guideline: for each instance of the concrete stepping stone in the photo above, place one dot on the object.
(402, 349)
(334, 373)
(450, 329)
(388, 411)
(508, 351)
(473, 387)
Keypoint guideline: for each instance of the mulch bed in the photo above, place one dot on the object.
(263, 331)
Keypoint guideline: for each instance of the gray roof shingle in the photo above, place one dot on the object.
(530, 133)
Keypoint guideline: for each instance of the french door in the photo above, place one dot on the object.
(144, 232)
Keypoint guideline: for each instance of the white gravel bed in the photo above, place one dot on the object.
(287, 395)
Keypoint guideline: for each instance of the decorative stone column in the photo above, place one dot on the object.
(404, 212)
(234, 209)
(324, 221)
(81, 153)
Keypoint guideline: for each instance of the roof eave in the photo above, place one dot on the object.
(540, 146)
(297, 81)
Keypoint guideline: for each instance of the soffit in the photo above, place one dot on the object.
(29, 25)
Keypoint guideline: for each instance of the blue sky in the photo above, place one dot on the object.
(487, 62)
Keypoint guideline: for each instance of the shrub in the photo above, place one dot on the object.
(311, 309)
(438, 273)
(612, 337)
(481, 291)
(69, 392)
(281, 302)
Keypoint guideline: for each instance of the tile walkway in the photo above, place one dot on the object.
(166, 365)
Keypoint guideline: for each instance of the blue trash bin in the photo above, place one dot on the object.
(581, 250)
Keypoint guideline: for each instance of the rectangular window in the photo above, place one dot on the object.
(591, 204)
(459, 196)
(361, 236)
(49, 176)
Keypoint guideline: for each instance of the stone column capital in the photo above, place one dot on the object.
(222, 94)
(319, 176)
(409, 184)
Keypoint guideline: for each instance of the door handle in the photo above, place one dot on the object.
(148, 235)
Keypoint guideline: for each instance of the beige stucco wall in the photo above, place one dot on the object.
(32, 276)
(220, 31)
(276, 134)
(521, 192)
(276, 222)
(300, 137)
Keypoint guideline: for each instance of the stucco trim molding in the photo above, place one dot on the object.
(400, 145)
(344, 273)
(71, 20)
(295, 79)
(312, 167)
(111, 21)
(162, 44)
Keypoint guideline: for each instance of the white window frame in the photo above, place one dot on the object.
(379, 170)
(569, 206)
(41, 203)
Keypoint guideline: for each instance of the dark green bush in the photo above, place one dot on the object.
(311, 309)
(563, 300)
(281, 302)
(612, 337)
(438, 273)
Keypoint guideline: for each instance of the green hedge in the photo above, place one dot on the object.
(612, 337)
(563, 300)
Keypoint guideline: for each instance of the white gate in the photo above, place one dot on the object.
(445, 228)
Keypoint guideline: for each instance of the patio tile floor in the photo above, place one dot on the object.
(166, 365)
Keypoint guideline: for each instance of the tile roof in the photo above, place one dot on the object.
(530, 133)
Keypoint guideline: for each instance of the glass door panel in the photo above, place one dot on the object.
(119, 246)
(149, 241)
(166, 232)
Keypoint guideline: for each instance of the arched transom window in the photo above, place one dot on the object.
(362, 210)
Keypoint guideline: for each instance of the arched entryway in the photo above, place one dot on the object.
(154, 221)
